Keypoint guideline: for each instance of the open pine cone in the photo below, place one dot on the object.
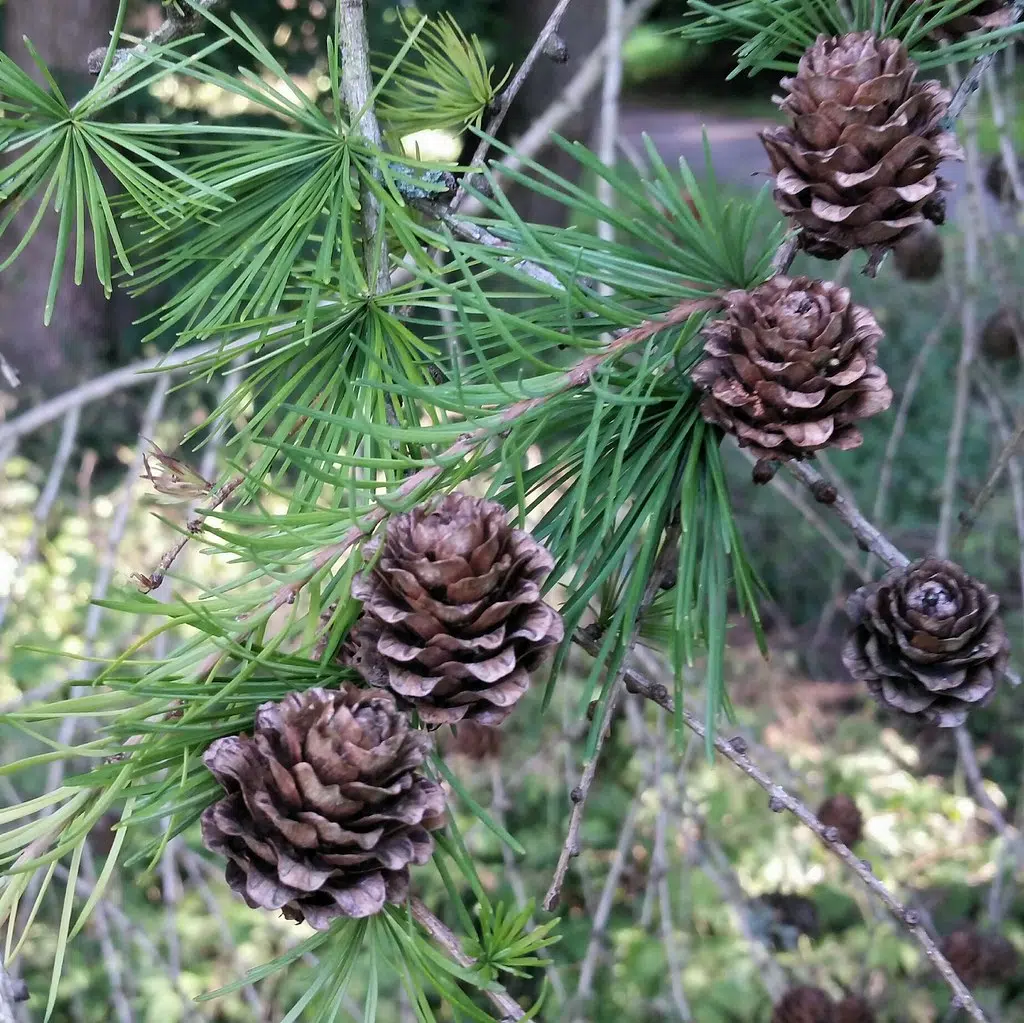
(804, 1004)
(840, 812)
(927, 640)
(324, 809)
(453, 621)
(857, 166)
(791, 367)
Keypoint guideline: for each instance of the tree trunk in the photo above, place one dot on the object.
(582, 29)
(52, 358)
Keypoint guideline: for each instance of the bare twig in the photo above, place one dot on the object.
(356, 90)
(578, 797)
(11, 993)
(193, 528)
(968, 344)
(976, 783)
(500, 998)
(608, 127)
(69, 430)
(899, 424)
(868, 536)
(972, 81)
(969, 517)
(607, 898)
(786, 253)
(508, 95)
(779, 800)
(175, 26)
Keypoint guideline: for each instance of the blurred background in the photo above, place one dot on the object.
(696, 880)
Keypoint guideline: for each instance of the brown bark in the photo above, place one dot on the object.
(52, 358)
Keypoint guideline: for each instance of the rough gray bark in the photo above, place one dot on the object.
(50, 359)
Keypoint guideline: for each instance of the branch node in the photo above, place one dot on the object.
(832, 834)
(576, 795)
(912, 918)
(739, 744)
(824, 492)
(776, 804)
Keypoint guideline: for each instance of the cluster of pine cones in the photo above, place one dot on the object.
(326, 806)
(791, 368)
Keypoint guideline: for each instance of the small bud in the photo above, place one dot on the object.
(739, 744)
(866, 864)
(576, 795)
(824, 492)
(832, 834)
(764, 471)
(555, 49)
(912, 918)
(776, 805)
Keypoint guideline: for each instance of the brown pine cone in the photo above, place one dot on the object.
(854, 1010)
(963, 950)
(840, 812)
(792, 915)
(1000, 333)
(919, 255)
(856, 168)
(791, 367)
(453, 621)
(324, 809)
(804, 1005)
(1000, 960)
(927, 640)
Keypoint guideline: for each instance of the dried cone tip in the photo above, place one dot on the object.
(325, 809)
(453, 620)
(927, 640)
(856, 167)
(791, 367)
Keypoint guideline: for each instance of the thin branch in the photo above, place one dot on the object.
(972, 81)
(899, 424)
(578, 376)
(356, 90)
(193, 528)
(135, 374)
(607, 898)
(968, 344)
(815, 520)
(11, 993)
(976, 783)
(500, 998)
(781, 800)
(66, 444)
(175, 26)
(1003, 459)
(608, 127)
(507, 97)
(867, 535)
(578, 796)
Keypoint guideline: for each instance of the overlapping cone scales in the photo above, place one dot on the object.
(325, 809)
(981, 957)
(453, 618)
(791, 367)
(927, 640)
(856, 167)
